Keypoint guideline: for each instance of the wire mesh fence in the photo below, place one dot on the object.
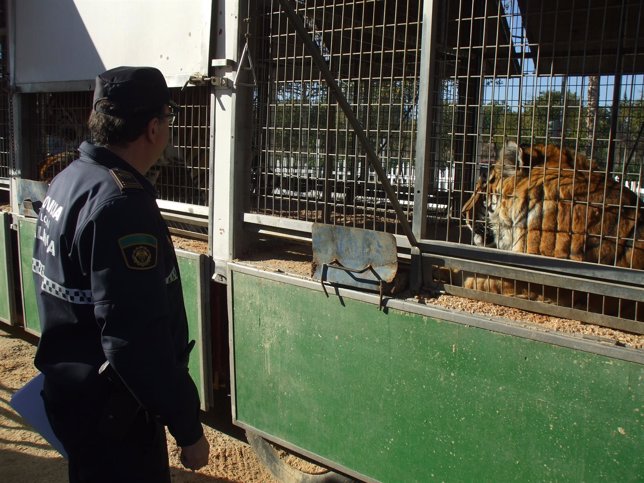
(538, 124)
(180, 176)
(308, 163)
(5, 100)
(59, 127)
(507, 74)
(536, 140)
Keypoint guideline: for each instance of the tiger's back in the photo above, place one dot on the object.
(563, 209)
(542, 200)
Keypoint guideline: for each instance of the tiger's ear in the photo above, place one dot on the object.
(523, 156)
(510, 159)
(530, 156)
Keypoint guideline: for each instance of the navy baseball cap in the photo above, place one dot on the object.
(132, 91)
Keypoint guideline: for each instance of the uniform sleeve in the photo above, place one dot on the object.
(137, 306)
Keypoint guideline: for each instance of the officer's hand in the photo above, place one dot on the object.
(195, 456)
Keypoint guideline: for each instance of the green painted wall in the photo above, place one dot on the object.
(26, 237)
(7, 309)
(195, 280)
(400, 397)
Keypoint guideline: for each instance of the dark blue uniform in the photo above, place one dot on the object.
(108, 289)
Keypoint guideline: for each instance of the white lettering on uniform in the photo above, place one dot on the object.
(43, 236)
(51, 248)
(55, 210)
(44, 218)
(56, 214)
(52, 207)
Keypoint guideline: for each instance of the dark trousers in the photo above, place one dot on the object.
(107, 440)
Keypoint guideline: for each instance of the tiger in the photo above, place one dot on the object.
(544, 200)
(54, 164)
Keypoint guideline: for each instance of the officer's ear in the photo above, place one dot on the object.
(152, 129)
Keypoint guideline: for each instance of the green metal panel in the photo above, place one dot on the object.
(400, 397)
(26, 238)
(7, 308)
(195, 280)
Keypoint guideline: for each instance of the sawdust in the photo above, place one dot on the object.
(190, 244)
(545, 322)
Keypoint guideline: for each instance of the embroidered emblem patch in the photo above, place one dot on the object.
(139, 251)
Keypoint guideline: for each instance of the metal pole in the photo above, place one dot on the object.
(617, 88)
(426, 100)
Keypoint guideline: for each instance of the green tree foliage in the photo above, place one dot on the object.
(631, 131)
(553, 117)
(308, 125)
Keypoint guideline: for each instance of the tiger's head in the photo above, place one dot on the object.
(483, 202)
(513, 164)
(475, 212)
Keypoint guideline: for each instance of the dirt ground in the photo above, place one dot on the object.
(25, 457)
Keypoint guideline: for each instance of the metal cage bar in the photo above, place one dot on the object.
(58, 128)
(57, 124)
(181, 175)
(569, 77)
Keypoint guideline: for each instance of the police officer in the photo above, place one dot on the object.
(114, 346)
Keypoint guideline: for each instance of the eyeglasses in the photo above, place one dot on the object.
(170, 117)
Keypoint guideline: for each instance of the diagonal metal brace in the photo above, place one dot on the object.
(372, 157)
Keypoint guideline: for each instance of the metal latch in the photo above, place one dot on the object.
(215, 80)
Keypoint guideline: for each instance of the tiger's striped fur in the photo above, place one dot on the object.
(543, 200)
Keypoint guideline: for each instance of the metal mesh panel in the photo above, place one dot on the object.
(182, 173)
(536, 73)
(180, 176)
(59, 128)
(565, 77)
(564, 81)
(308, 164)
(5, 103)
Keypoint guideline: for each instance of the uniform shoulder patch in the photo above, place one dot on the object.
(125, 180)
(139, 251)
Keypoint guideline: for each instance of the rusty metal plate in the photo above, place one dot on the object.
(353, 256)
(30, 195)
